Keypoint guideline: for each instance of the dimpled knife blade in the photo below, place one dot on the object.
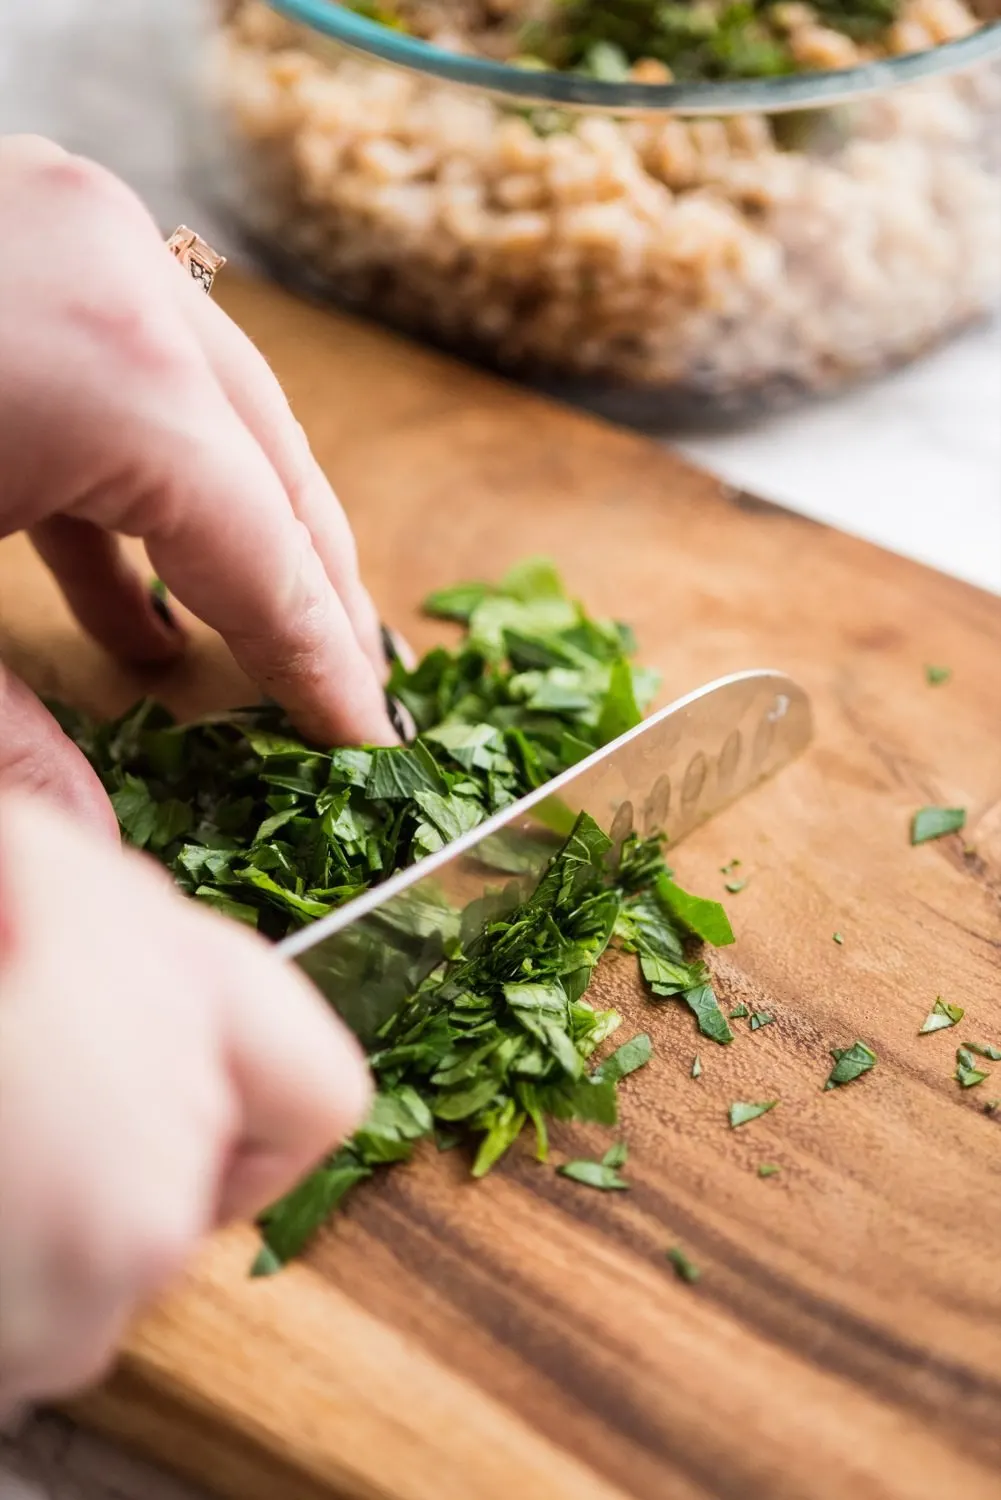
(669, 774)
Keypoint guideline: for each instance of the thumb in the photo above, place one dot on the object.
(36, 756)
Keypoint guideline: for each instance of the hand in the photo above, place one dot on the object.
(129, 403)
(161, 1071)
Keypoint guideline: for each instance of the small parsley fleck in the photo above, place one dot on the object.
(594, 1174)
(761, 1018)
(685, 1269)
(728, 869)
(967, 1074)
(992, 1106)
(697, 1067)
(941, 1015)
(769, 1169)
(982, 1050)
(635, 1053)
(936, 675)
(741, 1114)
(850, 1063)
(838, 938)
(739, 1012)
(735, 886)
(936, 822)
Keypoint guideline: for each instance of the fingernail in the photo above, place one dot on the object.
(389, 645)
(162, 608)
(395, 717)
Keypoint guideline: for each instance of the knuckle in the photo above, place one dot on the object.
(79, 178)
(295, 635)
(140, 339)
(21, 766)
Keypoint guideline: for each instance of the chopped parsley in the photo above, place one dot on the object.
(741, 1114)
(499, 1038)
(934, 676)
(769, 1169)
(838, 938)
(936, 822)
(684, 1269)
(633, 1054)
(850, 1063)
(967, 1074)
(735, 886)
(993, 1054)
(941, 1015)
(739, 1012)
(728, 869)
(602, 1175)
(761, 1018)
(697, 1067)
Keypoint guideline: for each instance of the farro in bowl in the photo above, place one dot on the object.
(653, 242)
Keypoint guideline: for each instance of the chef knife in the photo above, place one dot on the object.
(668, 775)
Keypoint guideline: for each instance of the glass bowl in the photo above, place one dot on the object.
(659, 250)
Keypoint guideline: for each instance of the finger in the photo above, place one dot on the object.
(226, 542)
(259, 400)
(300, 1075)
(36, 756)
(105, 593)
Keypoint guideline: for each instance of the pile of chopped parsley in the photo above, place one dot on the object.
(276, 834)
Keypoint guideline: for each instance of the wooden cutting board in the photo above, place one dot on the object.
(525, 1337)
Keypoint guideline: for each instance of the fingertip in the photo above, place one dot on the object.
(38, 760)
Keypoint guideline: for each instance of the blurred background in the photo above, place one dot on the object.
(911, 459)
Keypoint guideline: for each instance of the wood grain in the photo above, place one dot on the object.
(525, 1337)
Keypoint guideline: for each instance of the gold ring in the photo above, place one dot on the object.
(197, 257)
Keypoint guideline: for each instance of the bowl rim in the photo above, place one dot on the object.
(572, 91)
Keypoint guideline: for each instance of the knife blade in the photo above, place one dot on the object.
(669, 774)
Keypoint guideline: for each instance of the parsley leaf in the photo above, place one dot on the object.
(936, 822)
(838, 938)
(769, 1169)
(967, 1074)
(712, 1023)
(936, 675)
(984, 1050)
(941, 1015)
(761, 1018)
(635, 1053)
(595, 1174)
(685, 1269)
(706, 919)
(697, 1066)
(850, 1063)
(741, 1114)
(735, 886)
